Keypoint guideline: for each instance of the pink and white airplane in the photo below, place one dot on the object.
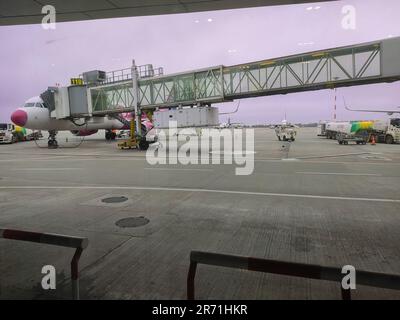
(36, 116)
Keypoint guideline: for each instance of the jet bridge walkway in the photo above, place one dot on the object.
(367, 63)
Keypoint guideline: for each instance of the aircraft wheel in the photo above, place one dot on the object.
(52, 144)
(143, 145)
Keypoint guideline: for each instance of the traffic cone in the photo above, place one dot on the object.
(373, 142)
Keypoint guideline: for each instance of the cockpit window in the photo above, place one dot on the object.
(34, 104)
(29, 105)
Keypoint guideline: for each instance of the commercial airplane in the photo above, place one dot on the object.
(229, 124)
(36, 116)
(284, 123)
(389, 112)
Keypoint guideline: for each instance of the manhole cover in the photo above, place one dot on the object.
(132, 222)
(114, 199)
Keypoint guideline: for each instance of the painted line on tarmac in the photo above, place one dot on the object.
(304, 161)
(70, 158)
(45, 169)
(263, 194)
(34, 159)
(77, 154)
(98, 157)
(177, 169)
(335, 155)
(340, 174)
(289, 160)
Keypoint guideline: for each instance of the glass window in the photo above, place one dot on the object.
(395, 122)
(29, 105)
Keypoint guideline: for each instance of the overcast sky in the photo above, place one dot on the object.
(31, 59)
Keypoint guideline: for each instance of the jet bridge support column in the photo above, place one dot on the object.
(135, 91)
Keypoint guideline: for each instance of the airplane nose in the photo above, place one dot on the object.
(19, 117)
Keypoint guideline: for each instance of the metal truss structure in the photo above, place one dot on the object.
(347, 66)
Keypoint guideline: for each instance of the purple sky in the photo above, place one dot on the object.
(31, 59)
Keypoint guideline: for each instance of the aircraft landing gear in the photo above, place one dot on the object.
(143, 144)
(110, 135)
(52, 142)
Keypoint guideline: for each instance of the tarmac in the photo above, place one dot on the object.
(308, 201)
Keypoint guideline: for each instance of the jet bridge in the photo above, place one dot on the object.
(367, 63)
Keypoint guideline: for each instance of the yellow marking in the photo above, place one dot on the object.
(266, 63)
(76, 81)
